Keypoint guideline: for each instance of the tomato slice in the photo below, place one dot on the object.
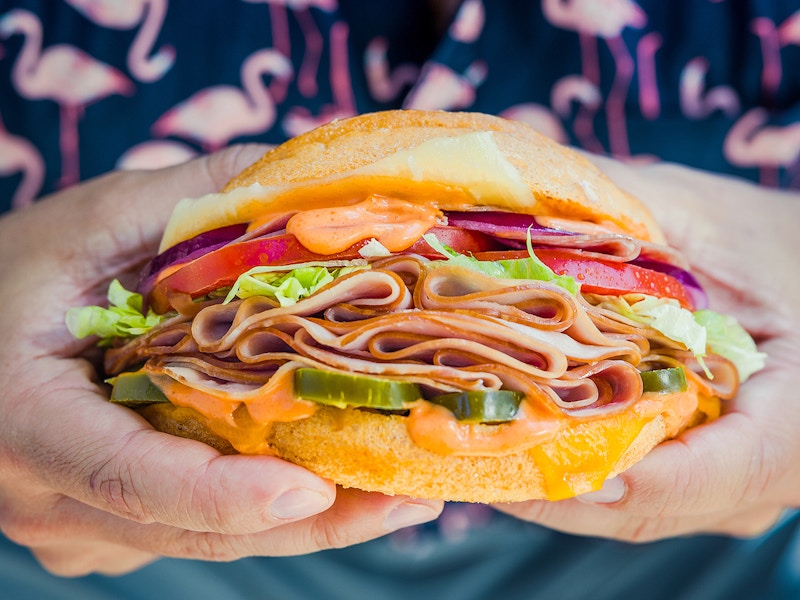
(220, 268)
(599, 276)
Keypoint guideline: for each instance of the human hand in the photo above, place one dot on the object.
(736, 475)
(90, 486)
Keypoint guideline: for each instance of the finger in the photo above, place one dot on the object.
(116, 462)
(76, 559)
(117, 220)
(354, 518)
(65, 535)
(743, 458)
(597, 520)
(750, 523)
(699, 473)
(681, 484)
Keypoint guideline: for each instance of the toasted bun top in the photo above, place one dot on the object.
(459, 161)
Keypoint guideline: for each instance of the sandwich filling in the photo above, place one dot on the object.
(488, 331)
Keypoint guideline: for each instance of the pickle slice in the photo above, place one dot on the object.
(665, 381)
(485, 406)
(345, 389)
(135, 389)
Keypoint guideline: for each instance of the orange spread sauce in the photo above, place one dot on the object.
(396, 216)
(436, 429)
(574, 455)
(349, 192)
(395, 223)
(246, 430)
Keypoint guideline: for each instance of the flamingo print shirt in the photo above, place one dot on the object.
(710, 83)
(88, 86)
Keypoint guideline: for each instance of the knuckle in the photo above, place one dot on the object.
(666, 492)
(641, 531)
(208, 546)
(325, 535)
(63, 564)
(26, 529)
(644, 530)
(112, 484)
(115, 494)
(209, 510)
(66, 561)
(754, 525)
(691, 485)
(533, 510)
(314, 535)
(221, 166)
(762, 472)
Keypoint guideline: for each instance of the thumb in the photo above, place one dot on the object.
(117, 220)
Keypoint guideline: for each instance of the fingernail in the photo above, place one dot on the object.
(409, 513)
(298, 503)
(612, 491)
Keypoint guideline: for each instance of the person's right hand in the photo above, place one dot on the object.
(90, 486)
(738, 474)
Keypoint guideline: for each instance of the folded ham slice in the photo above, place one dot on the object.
(444, 327)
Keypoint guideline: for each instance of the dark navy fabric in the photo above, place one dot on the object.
(712, 84)
(683, 81)
(497, 558)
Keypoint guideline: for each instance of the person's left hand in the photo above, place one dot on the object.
(89, 486)
(738, 474)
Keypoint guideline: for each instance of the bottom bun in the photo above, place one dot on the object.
(373, 452)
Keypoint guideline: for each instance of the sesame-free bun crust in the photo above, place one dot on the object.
(373, 452)
(351, 156)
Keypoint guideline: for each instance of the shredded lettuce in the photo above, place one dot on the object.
(374, 249)
(677, 323)
(288, 287)
(518, 268)
(728, 338)
(124, 317)
(700, 331)
(666, 316)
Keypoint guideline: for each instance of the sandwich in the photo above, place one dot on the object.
(442, 305)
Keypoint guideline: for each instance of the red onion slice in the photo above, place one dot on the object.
(500, 224)
(187, 250)
(693, 287)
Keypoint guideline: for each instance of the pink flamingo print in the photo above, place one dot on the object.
(281, 40)
(771, 70)
(772, 38)
(541, 118)
(384, 85)
(649, 98)
(566, 91)
(63, 74)
(18, 155)
(752, 143)
(441, 88)
(696, 102)
(155, 154)
(127, 14)
(789, 30)
(214, 116)
(577, 89)
(469, 21)
(605, 19)
(299, 119)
